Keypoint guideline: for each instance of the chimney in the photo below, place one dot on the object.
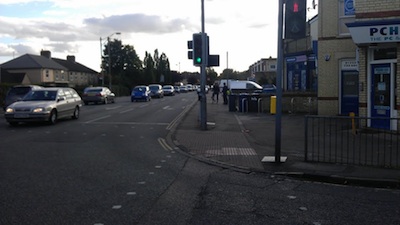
(71, 58)
(46, 54)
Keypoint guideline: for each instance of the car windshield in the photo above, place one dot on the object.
(41, 95)
(141, 89)
(93, 90)
(154, 88)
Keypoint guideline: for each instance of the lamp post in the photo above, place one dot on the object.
(109, 57)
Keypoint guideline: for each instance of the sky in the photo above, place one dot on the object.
(241, 32)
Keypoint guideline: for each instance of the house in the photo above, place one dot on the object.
(46, 71)
(264, 68)
(78, 74)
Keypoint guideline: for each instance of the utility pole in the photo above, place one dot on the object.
(203, 99)
(279, 73)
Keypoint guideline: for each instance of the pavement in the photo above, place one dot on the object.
(245, 142)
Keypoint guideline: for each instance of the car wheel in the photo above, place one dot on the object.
(53, 117)
(76, 113)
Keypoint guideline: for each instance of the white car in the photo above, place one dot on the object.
(45, 105)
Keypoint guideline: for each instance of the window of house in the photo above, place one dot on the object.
(47, 73)
(346, 15)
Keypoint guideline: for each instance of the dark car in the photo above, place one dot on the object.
(17, 93)
(156, 91)
(269, 89)
(98, 95)
(140, 92)
(45, 105)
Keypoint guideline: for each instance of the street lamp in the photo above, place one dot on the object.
(109, 57)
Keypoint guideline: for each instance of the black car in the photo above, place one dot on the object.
(17, 92)
(98, 95)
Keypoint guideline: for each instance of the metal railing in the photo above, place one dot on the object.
(351, 140)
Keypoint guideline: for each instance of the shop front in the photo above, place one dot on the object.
(301, 74)
(379, 41)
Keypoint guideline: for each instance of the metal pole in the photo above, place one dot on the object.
(203, 99)
(279, 73)
(109, 63)
(101, 62)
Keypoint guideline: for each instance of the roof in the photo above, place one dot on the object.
(74, 66)
(29, 61)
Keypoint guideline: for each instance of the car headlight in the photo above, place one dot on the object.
(38, 110)
(9, 110)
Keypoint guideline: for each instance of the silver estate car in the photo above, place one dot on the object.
(45, 105)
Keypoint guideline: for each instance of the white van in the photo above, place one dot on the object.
(240, 86)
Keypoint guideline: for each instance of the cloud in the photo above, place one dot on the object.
(139, 23)
(21, 49)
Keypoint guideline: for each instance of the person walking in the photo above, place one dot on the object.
(215, 92)
(225, 94)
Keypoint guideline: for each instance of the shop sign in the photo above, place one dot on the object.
(362, 34)
(349, 65)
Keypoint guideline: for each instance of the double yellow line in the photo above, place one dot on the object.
(164, 144)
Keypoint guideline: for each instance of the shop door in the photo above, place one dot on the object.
(381, 96)
(349, 101)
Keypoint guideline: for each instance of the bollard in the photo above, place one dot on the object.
(353, 124)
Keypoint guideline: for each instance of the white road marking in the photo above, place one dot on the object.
(100, 118)
(111, 108)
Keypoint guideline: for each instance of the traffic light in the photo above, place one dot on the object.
(295, 19)
(197, 49)
(190, 52)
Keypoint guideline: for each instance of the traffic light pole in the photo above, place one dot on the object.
(203, 99)
(279, 74)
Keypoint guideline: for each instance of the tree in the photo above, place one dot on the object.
(149, 71)
(126, 67)
(211, 76)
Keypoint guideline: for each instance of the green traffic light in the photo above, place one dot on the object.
(198, 60)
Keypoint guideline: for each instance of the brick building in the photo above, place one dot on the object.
(358, 54)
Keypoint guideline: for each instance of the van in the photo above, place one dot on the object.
(241, 86)
(17, 92)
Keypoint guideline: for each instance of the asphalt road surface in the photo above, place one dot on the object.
(114, 166)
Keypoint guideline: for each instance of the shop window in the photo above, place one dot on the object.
(385, 53)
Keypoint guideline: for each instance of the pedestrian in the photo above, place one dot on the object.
(215, 92)
(225, 94)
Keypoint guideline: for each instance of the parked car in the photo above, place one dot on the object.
(189, 87)
(140, 92)
(45, 105)
(177, 89)
(156, 91)
(206, 87)
(168, 90)
(98, 95)
(183, 89)
(17, 93)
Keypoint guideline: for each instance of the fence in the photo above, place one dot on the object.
(349, 140)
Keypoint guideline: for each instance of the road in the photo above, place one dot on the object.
(114, 166)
